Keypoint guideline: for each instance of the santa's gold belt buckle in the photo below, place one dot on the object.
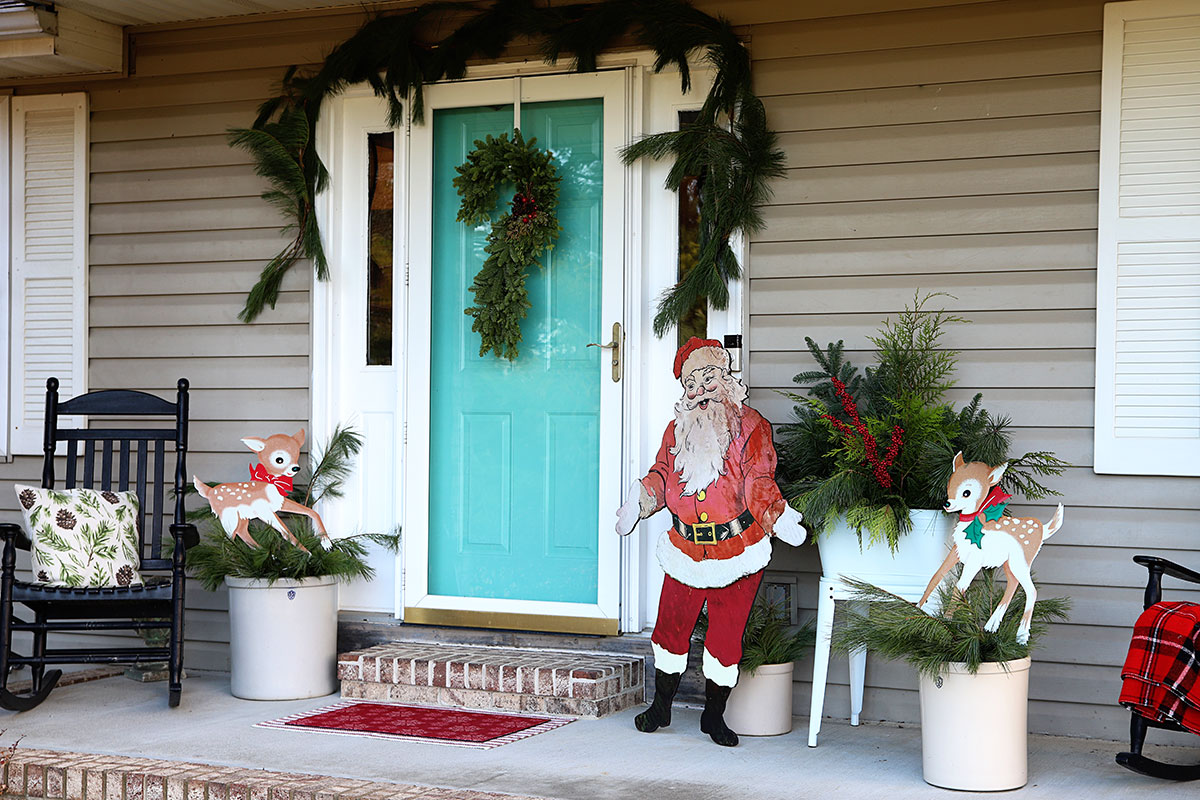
(704, 533)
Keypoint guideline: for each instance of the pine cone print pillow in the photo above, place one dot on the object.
(82, 537)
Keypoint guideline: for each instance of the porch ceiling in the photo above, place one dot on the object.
(151, 12)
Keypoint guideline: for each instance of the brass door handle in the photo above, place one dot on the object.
(615, 346)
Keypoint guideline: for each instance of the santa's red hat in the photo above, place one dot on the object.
(699, 353)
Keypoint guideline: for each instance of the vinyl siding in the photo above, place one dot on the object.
(945, 145)
(955, 149)
(178, 237)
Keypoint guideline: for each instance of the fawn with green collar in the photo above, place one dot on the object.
(984, 537)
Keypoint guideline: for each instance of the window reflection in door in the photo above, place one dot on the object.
(380, 150)
(695, 321)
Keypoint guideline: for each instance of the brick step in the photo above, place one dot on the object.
(494, 678)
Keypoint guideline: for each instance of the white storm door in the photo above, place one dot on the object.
(512, 469)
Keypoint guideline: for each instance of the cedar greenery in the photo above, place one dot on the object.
(896, 629)
(516, 240)
(729, 143)
(826, 468)
(220, 555)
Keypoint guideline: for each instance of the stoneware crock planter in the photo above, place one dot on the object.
(283, 638)
(761, 703)
(920, 552)
(973, 727)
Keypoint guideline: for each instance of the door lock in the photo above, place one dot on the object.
(615, 347)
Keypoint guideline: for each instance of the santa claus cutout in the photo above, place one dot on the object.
(715, 474)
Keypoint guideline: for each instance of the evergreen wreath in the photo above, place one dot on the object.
(730, 143)
(516, 240)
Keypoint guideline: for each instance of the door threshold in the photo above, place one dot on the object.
(358, 630)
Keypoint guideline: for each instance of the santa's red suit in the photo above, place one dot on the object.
(715, 473)
(716, 548)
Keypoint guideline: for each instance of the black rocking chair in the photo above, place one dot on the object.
(130, 459)
(1138, 724)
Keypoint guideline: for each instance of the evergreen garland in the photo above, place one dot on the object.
(516, 240)
(729, 143)
(896, 629)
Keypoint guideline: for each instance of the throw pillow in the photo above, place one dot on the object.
(82, 537)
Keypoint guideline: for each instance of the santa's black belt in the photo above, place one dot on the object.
(713, 532)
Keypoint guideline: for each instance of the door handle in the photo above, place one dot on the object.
(615, 347)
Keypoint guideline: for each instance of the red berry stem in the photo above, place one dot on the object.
(879, 466)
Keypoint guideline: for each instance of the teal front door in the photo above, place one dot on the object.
(520, 485)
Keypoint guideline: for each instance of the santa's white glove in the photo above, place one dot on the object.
(629, 513)
(788, 527)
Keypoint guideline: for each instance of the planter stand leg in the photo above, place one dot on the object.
(858, 676)
(820, 661)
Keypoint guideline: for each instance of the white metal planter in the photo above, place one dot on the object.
(974, 727)
(919, 554)
(761, 703)
(283, 638)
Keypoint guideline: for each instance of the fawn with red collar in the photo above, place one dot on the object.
(984, 537)
(235, 504)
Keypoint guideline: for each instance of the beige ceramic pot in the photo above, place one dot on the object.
(974, 727)
(761, 704)
(283, 638)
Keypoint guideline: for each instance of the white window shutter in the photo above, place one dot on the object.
(1148, 280)
(49, 257)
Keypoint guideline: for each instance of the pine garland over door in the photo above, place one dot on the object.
(729, 142)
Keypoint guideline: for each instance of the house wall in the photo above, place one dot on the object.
(945, 145)
(955, 148)
(178, 236)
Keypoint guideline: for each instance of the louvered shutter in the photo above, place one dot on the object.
(49, 257)
(1148, 282)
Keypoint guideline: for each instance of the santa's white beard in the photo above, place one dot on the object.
(702, 438)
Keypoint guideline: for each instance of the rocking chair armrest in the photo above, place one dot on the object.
(13, 533)
(186, 533)
(1159, 567)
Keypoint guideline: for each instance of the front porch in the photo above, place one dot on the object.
(590, 759)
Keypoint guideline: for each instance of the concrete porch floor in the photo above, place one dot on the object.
(586, 760)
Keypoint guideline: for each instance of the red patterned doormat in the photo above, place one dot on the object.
(481, 730)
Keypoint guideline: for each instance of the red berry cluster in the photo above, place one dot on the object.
(524, 206)
(879, 466)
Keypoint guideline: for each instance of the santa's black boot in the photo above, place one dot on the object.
(658, 715)
(712, 721)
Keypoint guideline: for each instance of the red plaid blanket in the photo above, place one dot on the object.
(1160, 672)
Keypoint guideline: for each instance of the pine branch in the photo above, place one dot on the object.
(895, 628)
(906, 390)
(739, 156)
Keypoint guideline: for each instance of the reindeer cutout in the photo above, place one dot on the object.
(984, 537)
(235, 504)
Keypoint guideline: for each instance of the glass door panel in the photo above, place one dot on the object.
(514, 448)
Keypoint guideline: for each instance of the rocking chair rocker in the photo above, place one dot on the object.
(129, 460)
(1134, 760)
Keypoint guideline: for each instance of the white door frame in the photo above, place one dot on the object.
(649, 215)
